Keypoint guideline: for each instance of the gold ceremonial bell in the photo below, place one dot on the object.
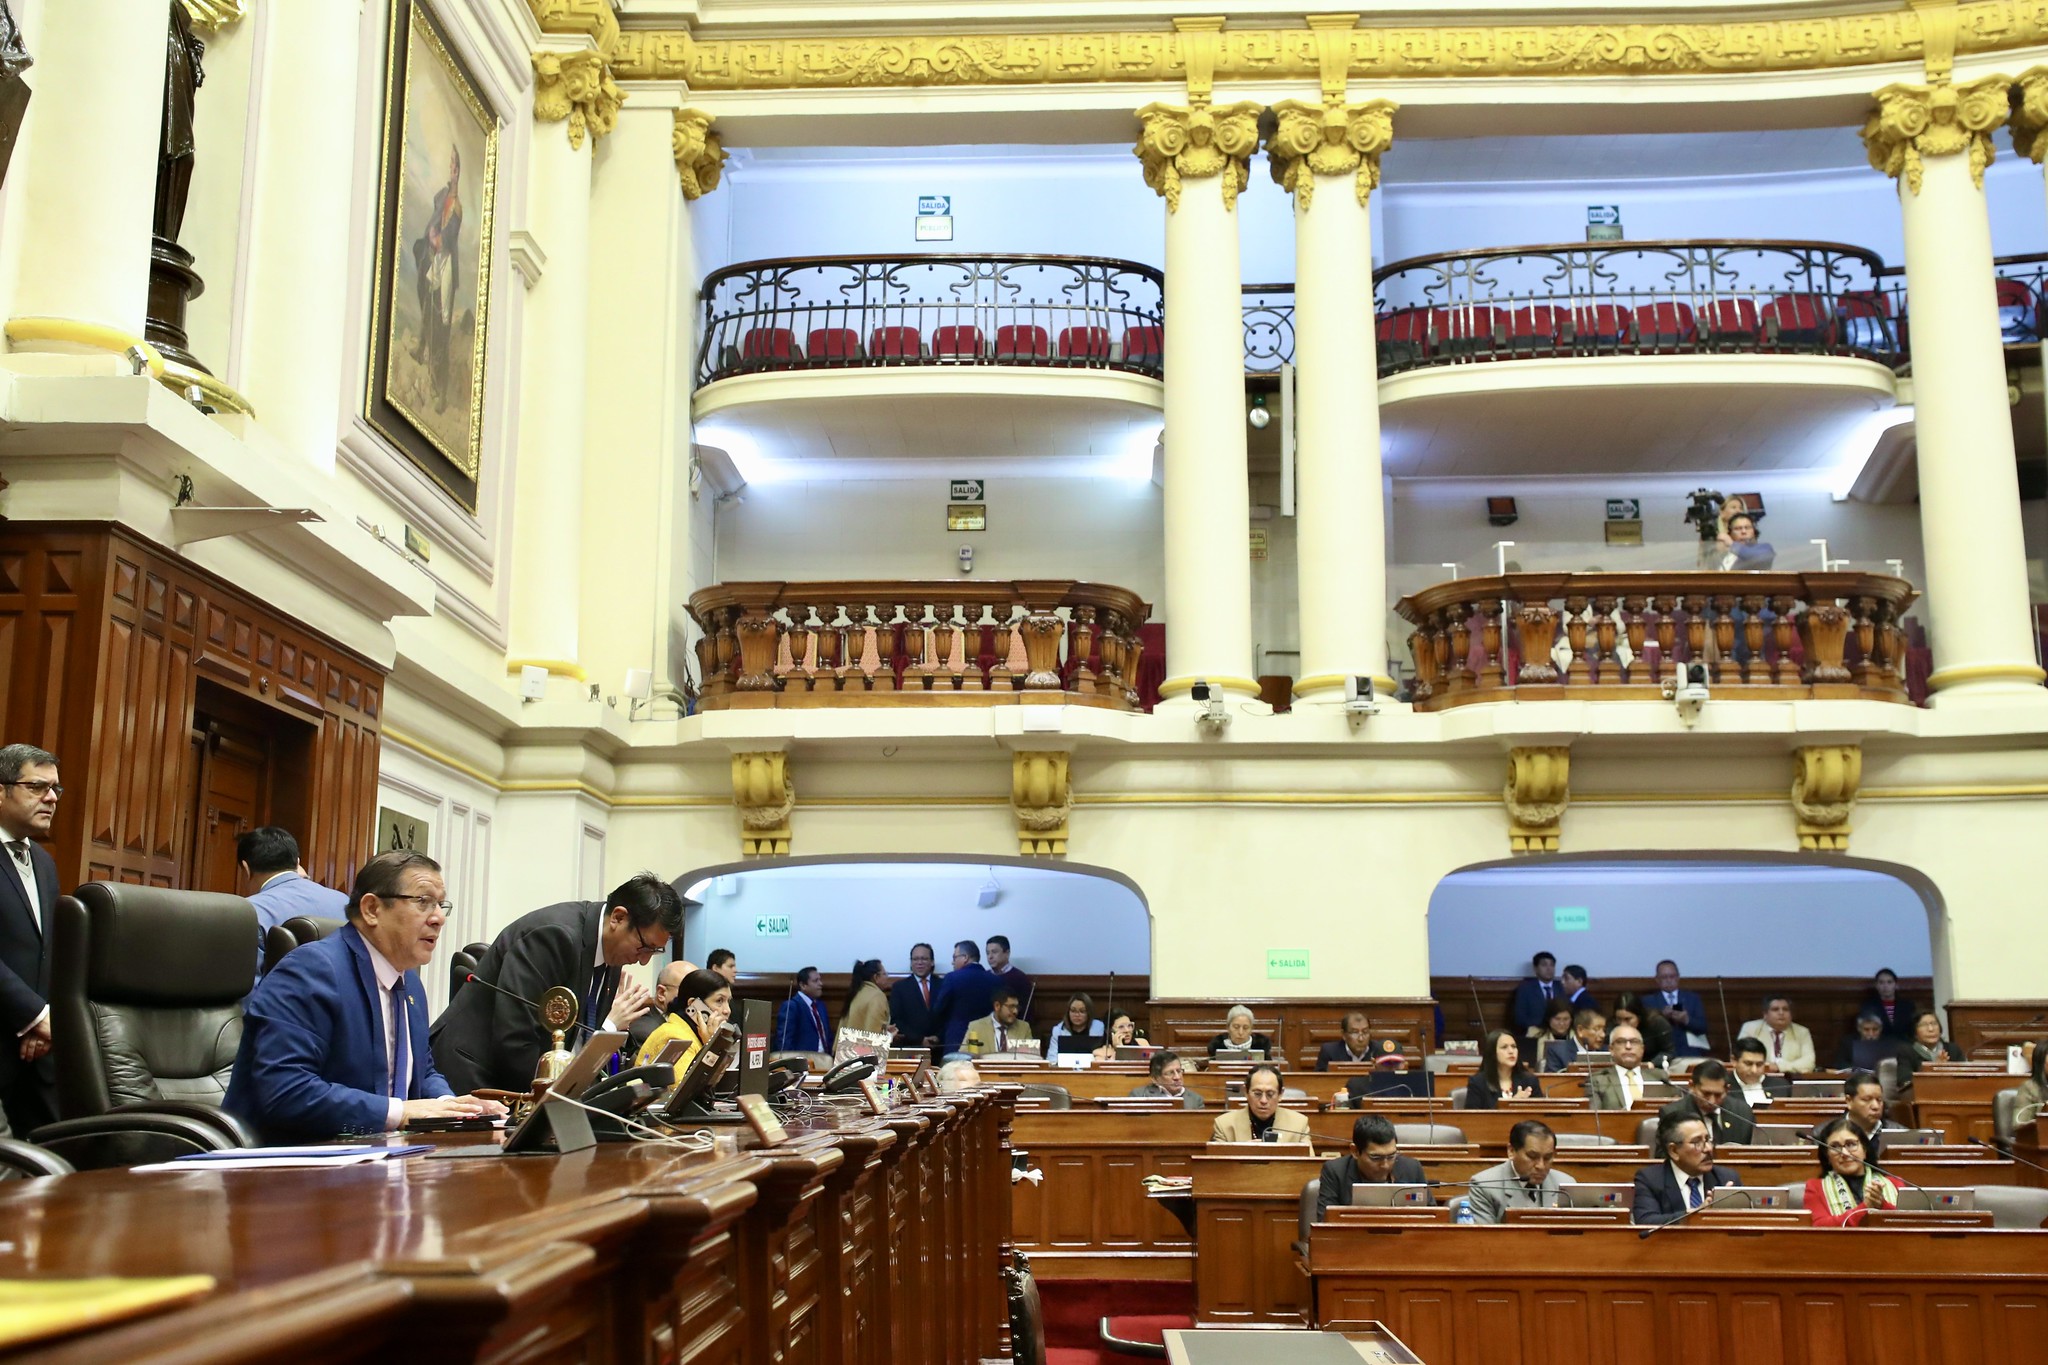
(558, 1010)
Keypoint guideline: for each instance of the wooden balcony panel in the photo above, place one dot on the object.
(934, 643)
(1762, 636)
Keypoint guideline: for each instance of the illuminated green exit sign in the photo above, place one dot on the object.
(1287, 964)
(1567, 918)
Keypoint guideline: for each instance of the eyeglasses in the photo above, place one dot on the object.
(645, 946)
(445, 907)
(38, 788)
(1845, 1148)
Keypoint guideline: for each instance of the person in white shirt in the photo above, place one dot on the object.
(1787, 1046)
(1752, 1068)
(1621, 1085)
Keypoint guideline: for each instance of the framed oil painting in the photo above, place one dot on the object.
(429, 319)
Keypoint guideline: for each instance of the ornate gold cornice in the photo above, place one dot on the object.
(2030, 114)
(1335, 139)
(1825, 778)
(700, 157)
(1043, 801)
(576, 86)
(211, 16)
(1913, 121)
(1536, 794)
(591, 18)
(1372, 53)
(1179, 143)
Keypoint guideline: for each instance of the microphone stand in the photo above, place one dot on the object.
(473, 979)
(1706, 1202)
(1727, 1024)
(1994, 1150)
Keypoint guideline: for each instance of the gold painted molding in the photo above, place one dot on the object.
(1949, 677)
(764, 789)
(700, 156)
(211, 16)
(1536, 793)
(1913, 121)
(2030, 114)
(1824, 782)
(1374, 53)
(592, 18)
(1042, 798)
(1196, 142)
(576, 86)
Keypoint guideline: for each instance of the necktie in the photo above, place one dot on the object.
(1002, 1039)
(1546, 990)
(401, 1050)
(818, 1023)
(1694, 1185)
(924, 986)
(18, 850)
(591, 1017)
(1777, 1042)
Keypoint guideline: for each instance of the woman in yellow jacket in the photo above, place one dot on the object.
(867, 1003)
(702, 1003)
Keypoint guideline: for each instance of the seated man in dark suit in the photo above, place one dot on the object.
(1685, 1179)
(1752, 1075)
(1573, 979)
(1357, 1044)
(1708, 1096)
(912, 1000)
(1863, 1102)
(1589, 1034)
(1169, 1080)
(335, 1039)
(485, 1039)
(1533, 996)
(1375, 1159)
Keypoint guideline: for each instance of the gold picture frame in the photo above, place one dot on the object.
(431, 282)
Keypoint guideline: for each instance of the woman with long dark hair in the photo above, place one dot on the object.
(1501, 1074)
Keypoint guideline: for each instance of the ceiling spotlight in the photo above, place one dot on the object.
(1258, 416)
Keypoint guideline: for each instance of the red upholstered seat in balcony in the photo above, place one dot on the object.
(1022, 341)
(1665, 327)
(1403, 337)
(767, 348)
(1864, 321)
(1797, 319)
(1477, 329)
(1537, 329)
(1084, 343)
(2018, 318)
(896, 343)
(834, 345)
(1600, 327)
(958, 343)
(1145, 347)
(1734, 324)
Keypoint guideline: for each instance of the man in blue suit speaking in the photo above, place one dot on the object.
(335, 1039)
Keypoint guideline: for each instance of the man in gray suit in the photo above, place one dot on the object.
(1620, 1085)
(1526, 1180)
(1169, 1081)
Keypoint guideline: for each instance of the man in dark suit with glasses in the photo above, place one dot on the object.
(29, 792)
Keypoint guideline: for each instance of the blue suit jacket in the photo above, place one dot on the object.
(311, 1063)
(1527, 1011)
(1659, 1200)
(964, 996)
(797, 1031)
(1695, 1010)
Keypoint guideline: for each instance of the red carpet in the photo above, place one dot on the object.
(1074, 1310)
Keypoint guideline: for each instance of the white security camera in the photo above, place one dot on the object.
(1212, 715)
(1688, 690)
(1359, 701)
(966, 559)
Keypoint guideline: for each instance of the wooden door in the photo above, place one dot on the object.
(232, 799)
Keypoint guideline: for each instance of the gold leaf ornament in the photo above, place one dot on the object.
(578, 87)
(2030, 114)
(1916, 121)
(699, 155)
(1177, 143)
(1332, 139)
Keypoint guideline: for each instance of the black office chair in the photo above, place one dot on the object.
(25, 1161)
(461, 963)
(298, 930)
(146, 991)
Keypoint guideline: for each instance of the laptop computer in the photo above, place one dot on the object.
(551, 1118)
(1586, 1195)
(1778, 1135)
(1750, 1197)
(1368, 1196)
(1926, 1200)
(1135, 1054)
(1816, 1090)
(1374, 1084)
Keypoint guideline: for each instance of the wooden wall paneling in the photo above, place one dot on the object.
(1977, 1024)
(695, 1249)
(779, 1279)
(51, 583)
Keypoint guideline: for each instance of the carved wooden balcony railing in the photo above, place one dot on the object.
(1769, 636)
(840, 312)
(972, 643)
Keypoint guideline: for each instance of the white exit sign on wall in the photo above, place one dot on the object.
(771, 926)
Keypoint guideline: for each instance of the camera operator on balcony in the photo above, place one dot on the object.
(1738, 539)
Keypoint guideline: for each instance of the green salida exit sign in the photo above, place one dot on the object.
(1287, 964)
(1567, 918)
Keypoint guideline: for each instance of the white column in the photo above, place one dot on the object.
(1329, 158)
(1196, 159)
(295, 337)
(87, 157)
(547, 508)
(1935, 141)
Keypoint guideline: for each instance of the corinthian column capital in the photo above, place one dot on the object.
(700, 156)
(1178, 143)
(1912, 121)
(2030, 114)
(1330, 139)
(576, 86)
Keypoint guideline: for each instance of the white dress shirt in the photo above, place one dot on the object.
(387, 977)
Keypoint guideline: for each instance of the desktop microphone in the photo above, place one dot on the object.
(1706, 1202)
(473, 979)
(1108, 1010)
(1996, 1151)
(1727, 1024)
(1478, 1008)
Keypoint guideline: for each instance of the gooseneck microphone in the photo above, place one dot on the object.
(1727, 1023)
(1706, 1202)
(1995, 1150)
